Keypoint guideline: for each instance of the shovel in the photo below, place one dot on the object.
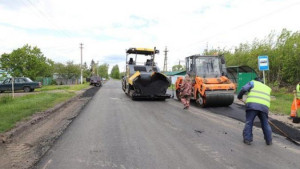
(283, 133)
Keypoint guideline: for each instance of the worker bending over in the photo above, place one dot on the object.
(257, 104)
(296, 102)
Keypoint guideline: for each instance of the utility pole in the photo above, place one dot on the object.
(13, 87)
(165, 69)
(180, 62)
(97, 68)
(81, 47)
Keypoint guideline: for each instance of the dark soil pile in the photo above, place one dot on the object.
(90, 92)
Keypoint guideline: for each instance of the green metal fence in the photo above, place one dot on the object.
(45, 80)
(240, 75)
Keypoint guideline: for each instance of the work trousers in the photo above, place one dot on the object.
(186, 100)
(263, 117)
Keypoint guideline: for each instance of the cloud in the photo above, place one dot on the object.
(108, 28)
(12, 5)
(114, 58)
(140, 22)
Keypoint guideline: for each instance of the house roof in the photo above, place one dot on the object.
(243, 68)
(173, 73)
(233, 72)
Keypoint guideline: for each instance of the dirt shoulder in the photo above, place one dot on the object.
(23, 146)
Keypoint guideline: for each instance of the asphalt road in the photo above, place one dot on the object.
(115, 132)
(237, 112)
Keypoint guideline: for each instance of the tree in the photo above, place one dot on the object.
(283, 51)
(59, 68)
(177, 68)
(93, 67)
(68, 71)
(115, 72)
(72, 70)
(103, 70)
(122, 74)
(86, 71)
(27, 61)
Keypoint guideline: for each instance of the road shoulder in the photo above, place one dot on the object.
(22, 146)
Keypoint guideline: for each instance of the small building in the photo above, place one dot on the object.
(62, 80)
(240, 75)
(175, 74)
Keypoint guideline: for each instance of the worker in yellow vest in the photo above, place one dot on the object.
(296, 102)
(257, 104)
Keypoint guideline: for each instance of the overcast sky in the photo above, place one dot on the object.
(107, 28)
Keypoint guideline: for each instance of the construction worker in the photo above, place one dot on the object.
(296, 102)
(186, 91)
(257, 104)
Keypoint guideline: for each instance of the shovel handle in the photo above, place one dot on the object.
(242, 101)
(278, 129)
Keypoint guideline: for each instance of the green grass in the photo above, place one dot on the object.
(14, 110)
(282, 102)
(172, 87)
(63, 87)
(53, 87)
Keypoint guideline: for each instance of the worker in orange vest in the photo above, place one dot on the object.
(296, 102)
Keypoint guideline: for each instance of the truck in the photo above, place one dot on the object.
(96, 81)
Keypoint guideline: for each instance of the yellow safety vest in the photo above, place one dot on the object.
(260, 94)
(298, 91)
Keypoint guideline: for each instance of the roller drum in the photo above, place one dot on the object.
(219, 98)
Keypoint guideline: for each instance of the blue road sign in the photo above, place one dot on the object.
(263, 63)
